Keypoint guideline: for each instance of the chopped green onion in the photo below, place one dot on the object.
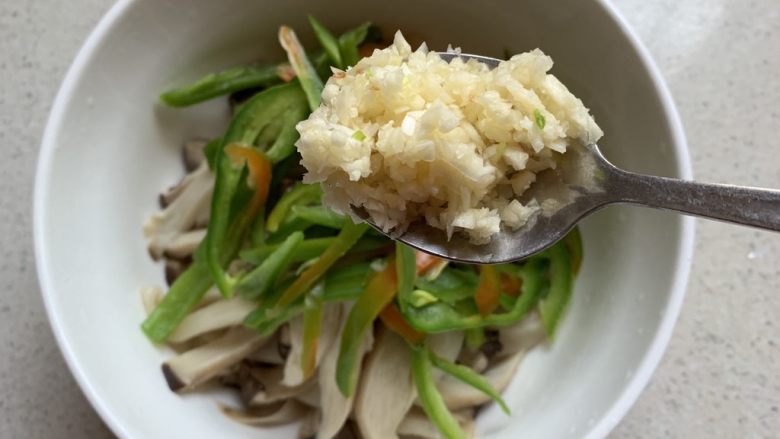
(359, 136)
(539, 117)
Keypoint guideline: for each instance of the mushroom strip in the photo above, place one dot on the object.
(198, 365)
(187, 209)
(386, 389)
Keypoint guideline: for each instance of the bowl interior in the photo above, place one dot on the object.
(109, 149)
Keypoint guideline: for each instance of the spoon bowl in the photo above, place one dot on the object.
(583, 182)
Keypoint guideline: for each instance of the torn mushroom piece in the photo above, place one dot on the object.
(310, 397)
(151, 297)
(189, 209)
(184, 245)
(266, 386)
(218, 315)
(446, 345)
(386, 389)
(335, 407)
(174, 268)
(331, 317)
(522, 336)
(310, 425)
(196, 366)
(282, 412)
(417, 425)
(270, 354)
(192, 154)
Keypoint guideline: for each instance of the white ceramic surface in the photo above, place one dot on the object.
(108, 149)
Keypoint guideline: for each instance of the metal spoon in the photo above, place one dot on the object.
(584, 182)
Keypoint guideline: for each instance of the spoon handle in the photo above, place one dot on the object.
(736, 204)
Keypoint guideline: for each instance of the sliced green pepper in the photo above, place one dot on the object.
(470, 377)
(573, 241)
(266, 324)
(349, 44)
(405, 261)
(553, 306)
(300, 194)
(278, 109)
(452, 284)
(257, 282)
(430, 398)
(312, 248)
(307, 75)
(347, 282)
(308, 249)
(475, 337)
(443, 317)
(210, 151)
(319, 216)
(327, 41)
(348, 236)
(312, 326)
(184, 294)
(379, 291)
(488, 290)
(222, 83)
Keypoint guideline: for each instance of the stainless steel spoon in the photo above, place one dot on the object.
(584, 182)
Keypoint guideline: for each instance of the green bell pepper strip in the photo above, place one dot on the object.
(379, 292)
(553, 306)
(266, 324)
(488, 290)
(308, 249)
(327, 41)
(304, 70)
(468, 376)
(406, 264)
(348, 236)
(452, 284)
(210, 151)
(430, 398)
(340, 284)
(349, 43)
(312, 326)
(222, 83)
(290, 226)
(506, 301)
(187, 290)
(347, 282)
(573, 241)
(319, 216)
(257, 234)
(278, 108)
(300, 194)
(312, 248)
(257, 282)
(420, 298)
(475, 337)
(443, 317)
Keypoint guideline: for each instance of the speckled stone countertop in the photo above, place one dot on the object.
(720, 377)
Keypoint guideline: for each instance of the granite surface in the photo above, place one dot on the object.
(720, 377)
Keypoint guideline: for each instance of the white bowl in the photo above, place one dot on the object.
(109, 149)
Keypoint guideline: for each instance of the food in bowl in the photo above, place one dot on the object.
(406, 136)
(310, 316)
